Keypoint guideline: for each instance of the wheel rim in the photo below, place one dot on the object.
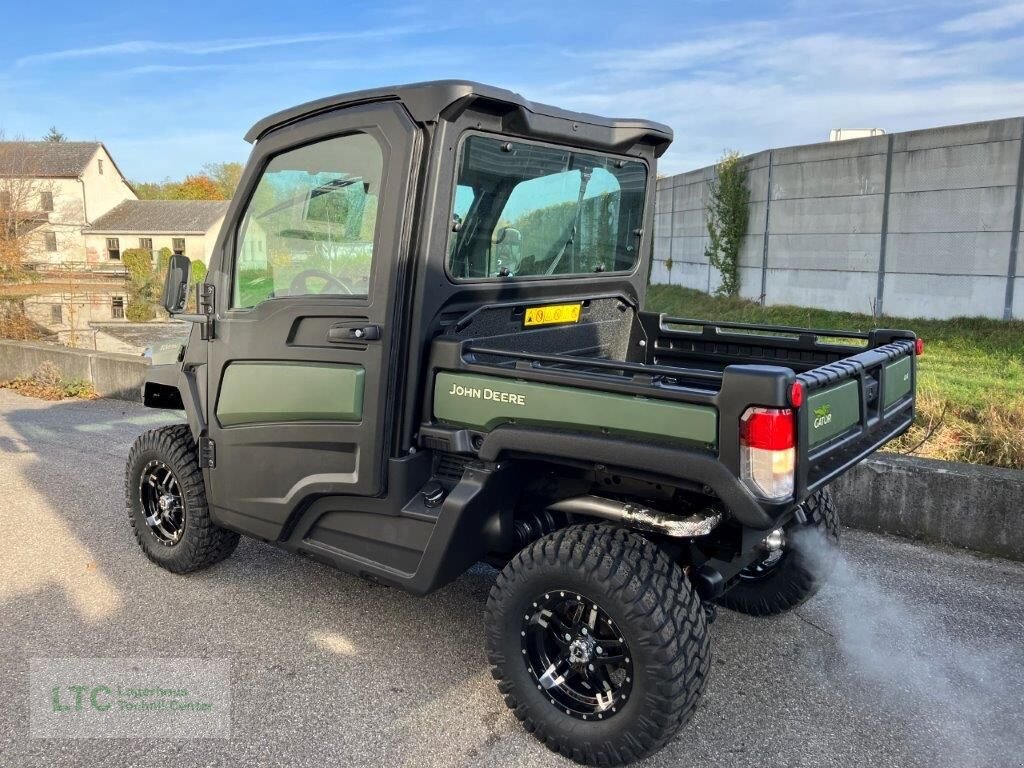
(765, 567)
(163, 505)
(576, 655)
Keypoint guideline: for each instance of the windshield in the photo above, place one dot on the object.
(523, 210)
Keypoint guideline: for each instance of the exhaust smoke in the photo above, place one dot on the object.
(962, 702)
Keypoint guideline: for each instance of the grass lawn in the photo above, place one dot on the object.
(971, 378)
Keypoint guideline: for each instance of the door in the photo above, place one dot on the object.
(298, 367)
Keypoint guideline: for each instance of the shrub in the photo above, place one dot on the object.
(47, 383)
(139, 311)
(727, 216)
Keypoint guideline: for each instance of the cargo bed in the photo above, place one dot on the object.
(668, 382)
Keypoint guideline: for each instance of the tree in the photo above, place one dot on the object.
(197, 187)
(21, 191)
(54, 136)
(225, 175)
(151, 190)
(142, 285)
(727, 217)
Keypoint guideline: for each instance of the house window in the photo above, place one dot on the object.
(113, 249)
(146, 244)
(5, 200)
(56, 314)
(46, 201)
(99, 165)
(178, 246)
(50, 239)
(117, 307)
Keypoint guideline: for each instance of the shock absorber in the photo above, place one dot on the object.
(533, 525)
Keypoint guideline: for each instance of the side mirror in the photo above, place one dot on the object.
(176, 286)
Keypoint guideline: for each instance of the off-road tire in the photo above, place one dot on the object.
(653, 606)
(793, 580)
(202, 543)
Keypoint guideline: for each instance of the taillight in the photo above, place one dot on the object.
(919, 347)
(768, 451)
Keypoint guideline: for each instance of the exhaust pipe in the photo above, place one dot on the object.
(698, 524)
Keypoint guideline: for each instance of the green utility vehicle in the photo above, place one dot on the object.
(421, 345)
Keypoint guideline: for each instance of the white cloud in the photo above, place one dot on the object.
(206, 47)
(783, 87)
(999, 17)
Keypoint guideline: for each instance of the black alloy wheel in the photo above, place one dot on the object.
(162, 502)
(577, 655)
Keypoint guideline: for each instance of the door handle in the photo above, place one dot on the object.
(348, 333)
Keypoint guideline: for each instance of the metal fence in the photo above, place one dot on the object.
(916, 224)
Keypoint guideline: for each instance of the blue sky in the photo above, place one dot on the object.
(169, 86)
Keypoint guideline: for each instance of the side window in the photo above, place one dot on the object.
(464, 198)
(309, 227)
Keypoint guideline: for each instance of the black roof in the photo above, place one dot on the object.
(161, 216)
(46, 159)
(445, 99)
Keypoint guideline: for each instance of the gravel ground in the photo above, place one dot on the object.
(911, 656)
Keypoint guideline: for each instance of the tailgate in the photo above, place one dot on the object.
(853, 407)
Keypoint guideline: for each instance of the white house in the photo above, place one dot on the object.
(59, 189)
(188, 227)
(81, 212)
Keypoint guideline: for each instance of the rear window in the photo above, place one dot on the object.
(527, 210)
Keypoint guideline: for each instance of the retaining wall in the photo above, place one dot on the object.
(960, 505)
(111, 374)
(917, 224)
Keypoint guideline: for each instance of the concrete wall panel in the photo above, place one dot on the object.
(752, 253)
(662, 247)
(854, 253)
(848, 292)
(829, 178)
(690, 249)
(690, 197)
(957, 167)
(944, 296)
(663, 224)
(829, 215)
(957, 253)
(750, 283)
(831, 150)
(952, 210)
(951, 135)
(688, 223)
(660, 274)
(757, 183)
(689, 275)
(1018, 297)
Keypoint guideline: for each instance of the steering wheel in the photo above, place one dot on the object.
(298, 285)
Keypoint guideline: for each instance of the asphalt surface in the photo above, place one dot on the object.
(911, 656)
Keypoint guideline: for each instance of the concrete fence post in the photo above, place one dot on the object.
(1011, 270)
(886, 189)
(767, 229)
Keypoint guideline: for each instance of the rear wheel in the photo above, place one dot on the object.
(598, 643)
(789, 576)
(166, 500)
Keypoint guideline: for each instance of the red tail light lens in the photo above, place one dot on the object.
(796, 394)
(768, 451)
(919, 347)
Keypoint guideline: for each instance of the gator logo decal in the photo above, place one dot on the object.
(822, 415)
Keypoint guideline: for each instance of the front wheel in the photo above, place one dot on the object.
(789, 576)
(598, 643)
(166, 500)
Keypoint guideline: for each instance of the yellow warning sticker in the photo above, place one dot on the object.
(552, 314)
